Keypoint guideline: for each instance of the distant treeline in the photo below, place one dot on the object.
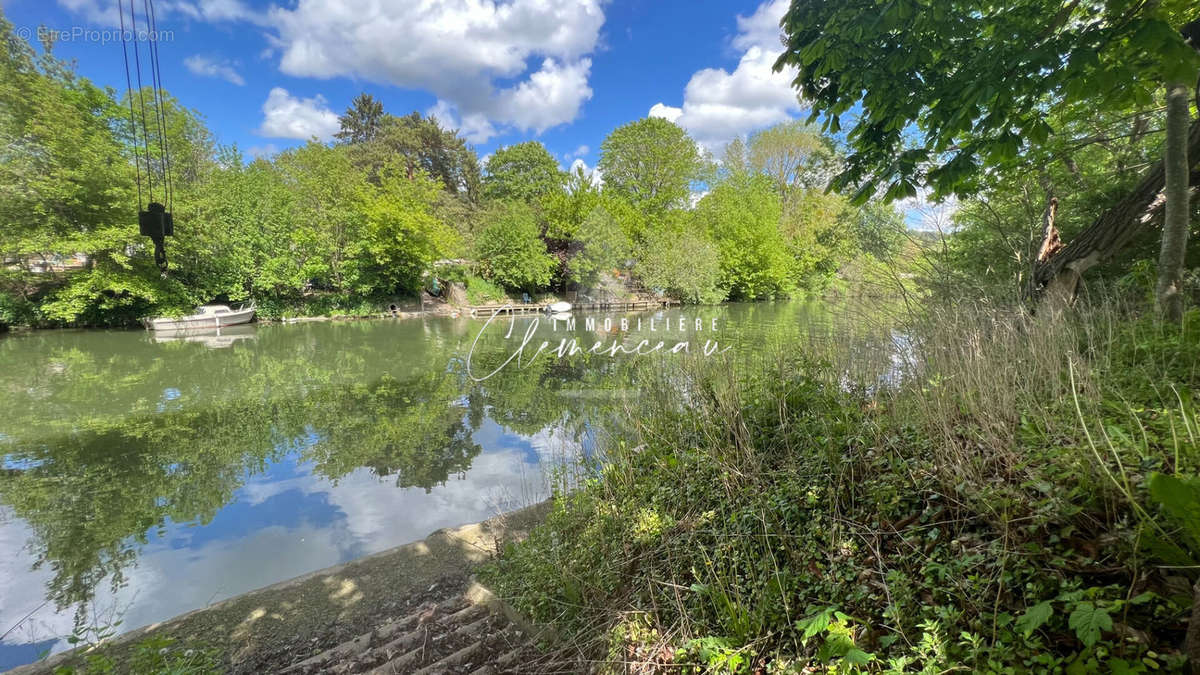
(364, 218)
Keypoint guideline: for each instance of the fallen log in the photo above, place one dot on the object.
(1059, 273)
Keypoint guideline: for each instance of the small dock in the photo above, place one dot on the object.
(539, 308)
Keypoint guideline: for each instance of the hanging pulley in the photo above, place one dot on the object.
(156, 222)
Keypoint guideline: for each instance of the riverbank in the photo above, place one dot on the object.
(413, 308)
(279, 626)
(1022, 497)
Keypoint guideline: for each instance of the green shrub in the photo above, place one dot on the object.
(511, 251)
(481, 291)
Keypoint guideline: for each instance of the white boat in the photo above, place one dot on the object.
(206, 316)
(213, 338)
(559, 308)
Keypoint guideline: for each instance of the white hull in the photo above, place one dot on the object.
(209, 337)
(209, 317)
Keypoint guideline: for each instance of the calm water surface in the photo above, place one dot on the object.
(144, 477)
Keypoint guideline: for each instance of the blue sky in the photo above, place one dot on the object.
(566, 72)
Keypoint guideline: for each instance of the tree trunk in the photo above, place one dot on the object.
(1191, 645)
(1169, 295)
(1113, 229)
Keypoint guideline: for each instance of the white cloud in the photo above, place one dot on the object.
(761, 29)
(457, 50)
(666, 112)
(224, 10)
(551, 96)
(581, 151)
(474, 127)
(95, 11)
(287, 116)
(719, 105)
(262, 151)
(207, 67)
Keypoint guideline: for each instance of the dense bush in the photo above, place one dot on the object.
(511, 251)
(481, 291)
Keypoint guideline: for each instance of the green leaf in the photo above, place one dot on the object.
(1087, 621)
(1180, 498)
(1119, 667)
(815, 624)
(1035, 617)
(857, 656)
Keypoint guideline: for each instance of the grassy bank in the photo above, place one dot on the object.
(1009, 504)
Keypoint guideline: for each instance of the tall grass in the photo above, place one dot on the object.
(957, 495)
(995, 387)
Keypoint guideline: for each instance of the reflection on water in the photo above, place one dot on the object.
(143, 475)
(210, 337)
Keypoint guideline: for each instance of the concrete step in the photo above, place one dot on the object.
(457, 636)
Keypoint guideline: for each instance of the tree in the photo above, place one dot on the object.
(976, 81)
(976, 101)
(651, 162)
(878, 229)
(360, 123)
(564, 209)
(401, 237)
(734, 160)
(1176, 169)
(794, 155)
(600, 245)
(819, 234)
(510, 249)
(423, 144)
(741, 216)
(326, 185)
(524, 172)
(683, 263)
(234, 230)
(67, 192)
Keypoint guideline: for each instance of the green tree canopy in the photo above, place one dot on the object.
(360, 123)
(682, 262)
(651, 162)
(741, 216)
(423, 144)
(600, 245)
(525, 172)
(328, 223)
(67, 189)
(401, 236)
(794, 155)
(948, 88)
(510, 249)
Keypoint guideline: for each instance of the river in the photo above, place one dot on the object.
(145, 476)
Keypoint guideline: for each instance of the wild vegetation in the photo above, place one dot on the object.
(353, 225)
(1012, 486)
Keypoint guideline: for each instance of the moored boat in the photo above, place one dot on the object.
(213, 338)
(559, 308)
(206, 316)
